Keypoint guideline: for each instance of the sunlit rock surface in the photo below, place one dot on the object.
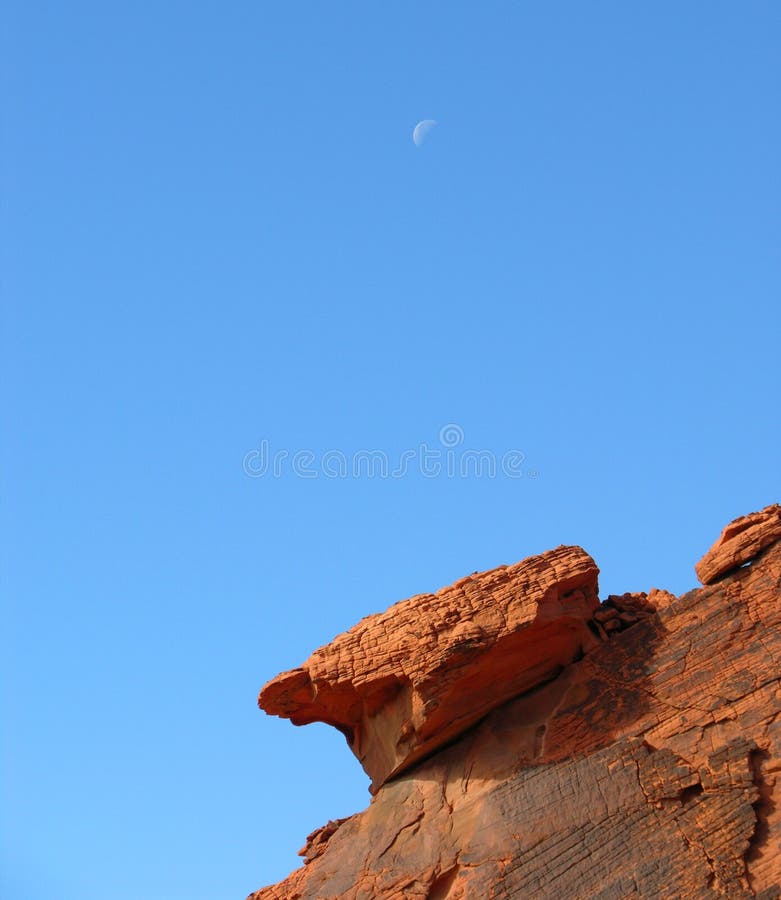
(524, 740)
(402, 683)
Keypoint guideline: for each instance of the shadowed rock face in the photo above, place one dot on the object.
(526, 741)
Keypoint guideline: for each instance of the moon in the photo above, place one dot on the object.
(420, 131)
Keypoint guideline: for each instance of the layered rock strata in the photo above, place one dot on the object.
(740, 542)
(525, 740)
(406, 681)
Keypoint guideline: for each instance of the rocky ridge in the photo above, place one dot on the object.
(525, 740)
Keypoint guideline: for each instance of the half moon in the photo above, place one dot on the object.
(421, 130)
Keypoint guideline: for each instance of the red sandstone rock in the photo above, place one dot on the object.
(740, 542)
(404, 682)
(648, 767)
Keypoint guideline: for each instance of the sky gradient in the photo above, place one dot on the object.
(217, 231)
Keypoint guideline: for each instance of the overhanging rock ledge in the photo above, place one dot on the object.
(525, 740)
(406, 681)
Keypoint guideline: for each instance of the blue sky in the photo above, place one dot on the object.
(217, 231)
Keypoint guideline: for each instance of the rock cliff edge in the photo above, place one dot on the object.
(524, 739)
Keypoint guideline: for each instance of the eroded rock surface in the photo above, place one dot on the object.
(645, 765)
(406, 681)
(740, 542)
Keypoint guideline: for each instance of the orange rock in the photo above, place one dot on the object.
(404, 682)
(740, 542)
(649, 766)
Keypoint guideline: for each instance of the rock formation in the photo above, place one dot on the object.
(525, 740)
